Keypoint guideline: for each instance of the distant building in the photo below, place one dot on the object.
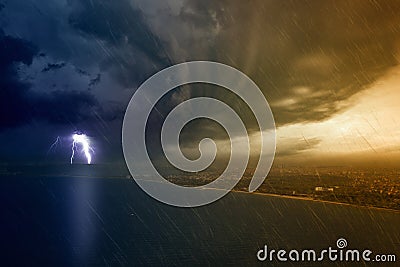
(323, 189)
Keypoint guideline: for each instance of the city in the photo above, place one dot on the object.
(362, 187)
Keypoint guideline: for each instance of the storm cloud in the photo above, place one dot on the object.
(64, 62)
(20, 105)
(306, 56)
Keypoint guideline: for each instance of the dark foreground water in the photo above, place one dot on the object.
(67, 221)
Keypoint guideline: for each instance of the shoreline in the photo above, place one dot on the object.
(316, 200)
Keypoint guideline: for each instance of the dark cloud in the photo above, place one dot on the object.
(64, 106)
(332, 49)
(54, 66)
(82, 48)
(20, 105)
(82, 72)
(14, 50)
(307, 57)
(123, 36)
(95, 80)
(13, 93)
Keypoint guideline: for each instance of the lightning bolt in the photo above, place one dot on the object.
(55, 144)
(83, 140)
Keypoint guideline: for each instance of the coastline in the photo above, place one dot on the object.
(316, 200)
(124, 176)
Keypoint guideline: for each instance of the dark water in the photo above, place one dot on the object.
(67, 221)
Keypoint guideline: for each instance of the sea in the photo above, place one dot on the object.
(81, 217)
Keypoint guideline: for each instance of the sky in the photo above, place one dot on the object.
(329, 70)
